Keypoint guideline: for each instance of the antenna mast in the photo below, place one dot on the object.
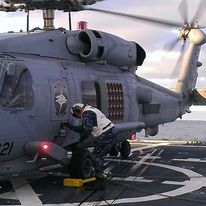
(70, 21)
(27, 21)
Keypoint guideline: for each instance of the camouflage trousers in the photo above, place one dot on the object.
(102, 147)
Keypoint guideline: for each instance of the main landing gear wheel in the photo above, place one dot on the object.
(114, 150)
(125, 149)
(81, 164)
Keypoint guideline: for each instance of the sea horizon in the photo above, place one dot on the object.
(180, 130)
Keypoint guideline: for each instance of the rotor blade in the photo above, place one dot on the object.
(178, 64)
(141, 18)
(171, 45)
(168, 47)
(199, 12)
(183, 10)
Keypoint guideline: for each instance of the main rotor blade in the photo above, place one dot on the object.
(199, 12)
(183, 10)
(141, 18)
(171, 45)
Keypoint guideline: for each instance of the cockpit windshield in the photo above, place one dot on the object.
(15, 86)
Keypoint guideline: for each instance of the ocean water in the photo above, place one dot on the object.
(184, 130)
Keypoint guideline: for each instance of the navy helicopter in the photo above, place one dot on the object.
(43, 73)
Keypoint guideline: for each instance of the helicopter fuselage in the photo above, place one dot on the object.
(40, 80)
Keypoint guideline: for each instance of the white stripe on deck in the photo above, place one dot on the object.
(9, 195)
(25, 192)
(190, 160)
(140, 162)
(150, 157)
(132, 179)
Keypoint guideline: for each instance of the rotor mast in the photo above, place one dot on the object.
(48, 16)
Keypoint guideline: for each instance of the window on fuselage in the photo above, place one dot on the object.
(16, 90)
(91, 93)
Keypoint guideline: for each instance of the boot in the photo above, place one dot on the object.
(107, 174)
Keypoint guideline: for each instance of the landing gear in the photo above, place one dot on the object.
(114, 150)
(124, 148)
(81, 164)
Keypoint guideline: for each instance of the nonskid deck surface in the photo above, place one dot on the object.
(154, 174)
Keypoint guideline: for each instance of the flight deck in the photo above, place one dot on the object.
(156, 173)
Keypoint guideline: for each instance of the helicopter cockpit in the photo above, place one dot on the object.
(15, 86)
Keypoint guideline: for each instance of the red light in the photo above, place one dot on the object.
(82, 25)
(45, 147)
(133, 137)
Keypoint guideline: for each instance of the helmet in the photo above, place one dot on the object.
(76, 108)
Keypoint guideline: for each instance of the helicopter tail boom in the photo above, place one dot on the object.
(188, 74)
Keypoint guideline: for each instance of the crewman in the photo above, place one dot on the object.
(95, 125)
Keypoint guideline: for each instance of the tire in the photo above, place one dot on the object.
(114, 151)
(125, 149)
(81, 164)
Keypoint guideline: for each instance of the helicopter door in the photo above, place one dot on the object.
(59, 96)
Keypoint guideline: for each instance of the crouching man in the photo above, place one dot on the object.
(95, 125)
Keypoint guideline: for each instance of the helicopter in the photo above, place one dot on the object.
(43, 73)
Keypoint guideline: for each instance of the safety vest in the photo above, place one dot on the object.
(103, 124)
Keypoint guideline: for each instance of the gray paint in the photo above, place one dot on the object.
(54, 69)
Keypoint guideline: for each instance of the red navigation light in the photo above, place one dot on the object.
(133, 136)
(45, 147)
(82, 25)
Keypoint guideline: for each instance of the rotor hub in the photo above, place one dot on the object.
(184, 32)
(197, 36)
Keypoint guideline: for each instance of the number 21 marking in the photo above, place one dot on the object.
(6, 148)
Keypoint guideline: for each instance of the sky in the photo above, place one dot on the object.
(159, 64)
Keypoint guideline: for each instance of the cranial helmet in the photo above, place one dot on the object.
(76, 108)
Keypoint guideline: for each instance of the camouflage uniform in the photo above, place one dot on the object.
(102, 147)
(103, 142)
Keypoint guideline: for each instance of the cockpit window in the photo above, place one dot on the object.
(16, 87)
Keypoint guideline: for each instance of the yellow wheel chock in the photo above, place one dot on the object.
(72, 182)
